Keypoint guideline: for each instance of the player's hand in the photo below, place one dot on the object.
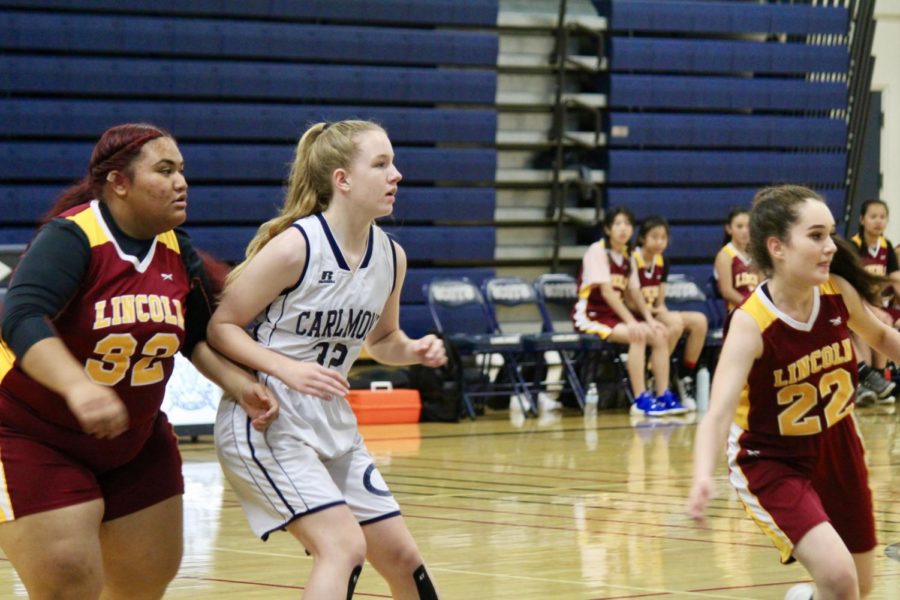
(657, 327)
(98, 409)
(259, 404)
(430, 350)
(637, 332)
(702, 492)
(313, 379)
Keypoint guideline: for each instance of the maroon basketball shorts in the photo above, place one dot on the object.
(788, 495)
(37, 476)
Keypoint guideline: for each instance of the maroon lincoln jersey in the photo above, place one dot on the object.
(651, 275)
(744, 278)
(124, 325)
(804, 382)
(591, 305)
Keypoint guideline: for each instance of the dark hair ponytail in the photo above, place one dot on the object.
(847, 264)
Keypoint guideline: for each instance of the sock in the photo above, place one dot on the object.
(423, 584)
(354, 577)
(863, 369)
(689, 369)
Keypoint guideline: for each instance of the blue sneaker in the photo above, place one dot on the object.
(646, 405)
(672, 405)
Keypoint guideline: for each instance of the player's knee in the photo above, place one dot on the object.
(840, 580)
(70, 576)
(347, 547)
(403, 558)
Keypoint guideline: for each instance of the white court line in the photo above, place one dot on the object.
(439, 569)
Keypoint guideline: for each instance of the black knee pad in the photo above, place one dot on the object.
(423, 584)
(354, 577)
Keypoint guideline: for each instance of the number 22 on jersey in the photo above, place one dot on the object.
(801, 398)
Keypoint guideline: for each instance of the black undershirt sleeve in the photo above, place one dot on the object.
(45, 281)
(891, 258)
(200, 301)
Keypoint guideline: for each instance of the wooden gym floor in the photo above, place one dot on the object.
(565, 507)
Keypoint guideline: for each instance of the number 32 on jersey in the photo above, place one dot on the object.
(116, 352)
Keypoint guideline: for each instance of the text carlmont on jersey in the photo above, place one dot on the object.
(336, 323)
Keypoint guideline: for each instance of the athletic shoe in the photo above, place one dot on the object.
(876, 382)
(671, 403)
(864, 396)
(885, 401)
(801, 591)
(646, 405)
(686, 392)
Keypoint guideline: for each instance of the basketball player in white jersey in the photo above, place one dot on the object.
(319, 281)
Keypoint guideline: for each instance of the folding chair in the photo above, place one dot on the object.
(557, 294)
(513, 304)
(463, 319)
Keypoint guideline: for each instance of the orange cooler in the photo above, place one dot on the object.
(383, 405)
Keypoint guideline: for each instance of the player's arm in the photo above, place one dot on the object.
(725, 279)
(278, 267)
(237, 382)
(742, 346)
(388, 344)
(46, 280)
(876, 334)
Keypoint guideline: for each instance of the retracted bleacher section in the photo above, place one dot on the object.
(237, 83)
(710, 99)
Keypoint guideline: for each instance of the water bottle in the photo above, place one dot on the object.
(592, 397)
(702, 389)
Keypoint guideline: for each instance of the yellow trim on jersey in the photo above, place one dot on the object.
(761, 314)
(170, 240)
(639, 260)
(857, 239)
(730, 250)
(742, 413)
(829, 288)
(6, 507)
(7, 359)
(88, 223)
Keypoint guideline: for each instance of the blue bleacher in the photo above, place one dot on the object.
(415, 320)
(736, 131)
(67, 118)
(421, 243)
(722, 17)
(761, 168)
(716, 56)
(244, 162)
(149, 78)
(183, 37)
(412, 12)
(726, 93)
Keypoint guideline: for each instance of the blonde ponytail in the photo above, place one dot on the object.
(323, 148)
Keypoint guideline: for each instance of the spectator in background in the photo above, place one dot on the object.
(879, 259)
(106, 294)
(736, 277)
(605, 279)
(652, 269)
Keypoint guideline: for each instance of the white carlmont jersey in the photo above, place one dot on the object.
(325, 318)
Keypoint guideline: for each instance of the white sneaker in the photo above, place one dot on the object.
(801, 591)
(546, 403)
(888, 400)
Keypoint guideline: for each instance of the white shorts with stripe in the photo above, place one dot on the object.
(279, 478)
